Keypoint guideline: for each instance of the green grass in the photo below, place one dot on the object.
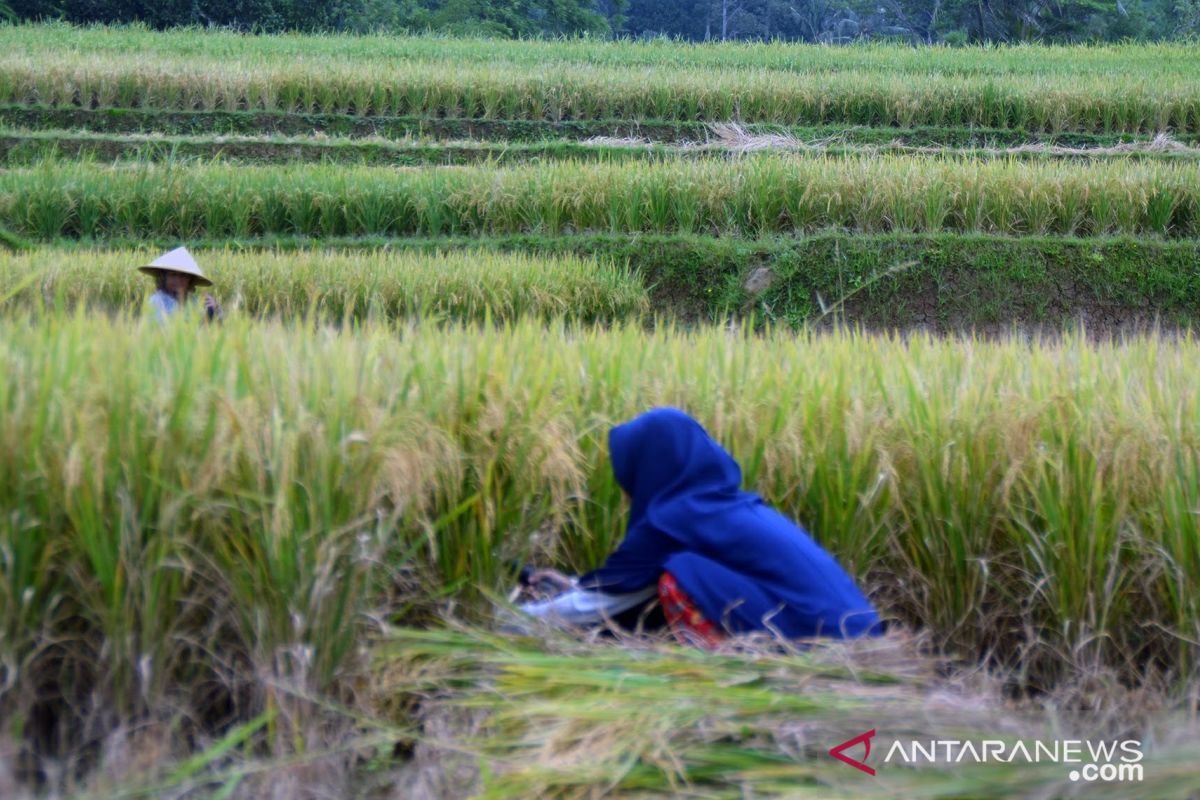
(760, 196)
(347, 286)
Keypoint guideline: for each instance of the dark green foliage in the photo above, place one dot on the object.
(11, 242)
(831, 21)
(916, 21)
(505, 18)
(254, 15)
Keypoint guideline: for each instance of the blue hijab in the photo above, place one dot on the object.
(746, 566)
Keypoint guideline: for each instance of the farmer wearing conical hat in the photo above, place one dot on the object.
(177, 274)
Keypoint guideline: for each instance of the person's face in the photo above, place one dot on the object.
(177, 283)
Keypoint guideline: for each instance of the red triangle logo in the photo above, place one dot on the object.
(863, 739)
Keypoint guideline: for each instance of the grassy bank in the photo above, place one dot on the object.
(23, 148)
(753, 197)
(942, 283)
(342, 286)
(17, 148)
(157, 121)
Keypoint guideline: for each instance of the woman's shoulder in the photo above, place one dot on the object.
(770, 521)
(162, 305)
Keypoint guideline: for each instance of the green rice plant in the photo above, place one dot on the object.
(1070, 212)
(302, 212)
(90, 212)
(1102, 212)
(1160, 210)
(1131, 206)
(759, 197)
(659, 206)
(1040, 204)
(46, 218)
(1013, 499)
(364, 214)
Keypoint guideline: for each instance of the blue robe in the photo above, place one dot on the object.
(745, 565)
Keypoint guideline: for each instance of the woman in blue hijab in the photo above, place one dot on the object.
(718, 557)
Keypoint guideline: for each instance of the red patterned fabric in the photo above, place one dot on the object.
(686, 621)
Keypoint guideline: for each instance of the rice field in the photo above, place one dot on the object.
(937, 302)
(291, 481)
(1082, 103)
(227, 74)
(342, 286)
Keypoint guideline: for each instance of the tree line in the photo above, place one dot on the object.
(950, 22)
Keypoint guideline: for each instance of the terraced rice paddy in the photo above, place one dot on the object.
(764, 196)
(228, 554)
(751, 84)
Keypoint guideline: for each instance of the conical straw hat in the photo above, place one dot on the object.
(178, 260)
